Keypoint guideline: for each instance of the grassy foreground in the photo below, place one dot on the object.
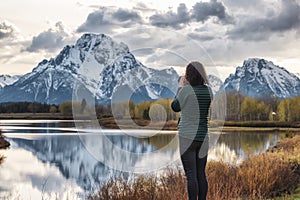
(271, 175)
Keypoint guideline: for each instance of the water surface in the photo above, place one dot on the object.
(50, 159)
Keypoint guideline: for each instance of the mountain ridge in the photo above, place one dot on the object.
(257, 77)
(109, 71)
(6, 79)
(100, 64)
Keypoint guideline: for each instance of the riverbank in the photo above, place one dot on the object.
(110, 122)
(228, 126)
(274, 174)
(3, 143)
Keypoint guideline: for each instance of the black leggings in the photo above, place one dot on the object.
(194, 160)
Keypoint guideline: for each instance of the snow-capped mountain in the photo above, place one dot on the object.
(215, 83)
(101, 65)
(258, 77)
(8, 79)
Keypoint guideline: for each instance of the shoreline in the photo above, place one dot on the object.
(171, 125)
(3, 143)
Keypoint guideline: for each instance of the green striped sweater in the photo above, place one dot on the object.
(193, 102)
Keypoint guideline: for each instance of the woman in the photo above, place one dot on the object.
(193, 100)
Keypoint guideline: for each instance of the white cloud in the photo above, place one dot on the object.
(105, 19)
(51, 40)
(221, 45)
(261, 27)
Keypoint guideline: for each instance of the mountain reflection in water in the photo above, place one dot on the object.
(50, 163)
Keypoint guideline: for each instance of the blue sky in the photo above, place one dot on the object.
(227, 31)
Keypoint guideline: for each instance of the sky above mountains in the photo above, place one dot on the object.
(160, 33)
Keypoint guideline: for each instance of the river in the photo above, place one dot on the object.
(54, 159)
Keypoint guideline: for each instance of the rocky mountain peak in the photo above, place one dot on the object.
(259, 77)
(100, 64)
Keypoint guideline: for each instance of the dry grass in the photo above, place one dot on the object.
(168, 187)
(265, 176)
(110, 122)
(223, 181)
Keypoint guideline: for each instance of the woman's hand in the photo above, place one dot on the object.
(182, 81)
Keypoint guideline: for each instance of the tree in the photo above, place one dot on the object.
(82, 106)
(252, 109)
(131, 107)
(234, 101)
(295, 109)
(53, 109)
(122, 109)
(141, 110)
(67, 108)
(157, 112)
(289, 109)
(102, 110)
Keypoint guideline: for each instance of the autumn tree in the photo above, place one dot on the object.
(234, 101)
(141, 110)
(67, 108)
(53, 109)
(252, 109)
(289, 109)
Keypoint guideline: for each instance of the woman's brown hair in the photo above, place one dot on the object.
(195, 74)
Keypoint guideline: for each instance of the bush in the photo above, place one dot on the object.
(267, 175)
(223, 181)
(168, 187)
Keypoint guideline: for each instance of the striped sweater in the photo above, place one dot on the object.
(193, 102)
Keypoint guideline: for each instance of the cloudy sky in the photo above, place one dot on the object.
(221, 34)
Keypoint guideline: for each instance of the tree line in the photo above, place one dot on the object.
(27, 107)
(243, 108)
(238, 108)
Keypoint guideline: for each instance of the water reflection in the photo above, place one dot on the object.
(68, 154)
(235, 147)
(24, 176)
(60, 164)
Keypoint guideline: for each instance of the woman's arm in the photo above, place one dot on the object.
(178, 101)
(175, 105)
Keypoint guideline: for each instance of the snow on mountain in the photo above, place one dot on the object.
(8, 79)
(215, 83)
(258, 77)
(101, 65)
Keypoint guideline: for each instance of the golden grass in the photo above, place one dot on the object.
(266, 176)
(168, 187)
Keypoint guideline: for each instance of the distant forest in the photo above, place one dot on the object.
(239, 108)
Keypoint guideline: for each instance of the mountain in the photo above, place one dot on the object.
(259, 77)
(8, 79)
(102, 66)
(215, 83)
